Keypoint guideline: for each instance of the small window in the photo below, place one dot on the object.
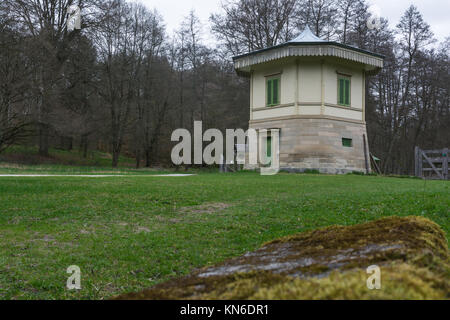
(273, 91)
(347, 142)
(344, 90)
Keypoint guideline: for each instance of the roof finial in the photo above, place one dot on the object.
(307, 36)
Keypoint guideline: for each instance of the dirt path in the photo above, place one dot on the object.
(90, 176)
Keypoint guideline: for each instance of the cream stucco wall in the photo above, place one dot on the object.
(287, 73)
(309, 82)
(332, 68)
(308, 87)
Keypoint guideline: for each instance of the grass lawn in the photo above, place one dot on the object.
(129, 233)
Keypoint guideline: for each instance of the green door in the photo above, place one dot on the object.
(269, 148)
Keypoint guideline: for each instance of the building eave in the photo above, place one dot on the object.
(373, 62)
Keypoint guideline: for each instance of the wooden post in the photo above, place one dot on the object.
(416, 162)
(420, 163)
(445, 163)
(375, 164)
(365, 154)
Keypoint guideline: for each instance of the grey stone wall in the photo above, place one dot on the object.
(316, 144)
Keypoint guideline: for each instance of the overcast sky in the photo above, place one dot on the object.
(435, 12)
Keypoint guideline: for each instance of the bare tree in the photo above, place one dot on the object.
(248, 25)
(13, 83)
(115, 48)
(128, 40)
(45, 21)
(415, 34)
(320, 15)
(347, 9)
(198, 56)
(150, 78)
(77, 113)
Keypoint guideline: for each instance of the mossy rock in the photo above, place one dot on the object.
(328, 263)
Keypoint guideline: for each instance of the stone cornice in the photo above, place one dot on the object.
(305, 117)
(306, 104)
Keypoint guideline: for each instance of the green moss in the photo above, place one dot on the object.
(328, 263)
(398, 282)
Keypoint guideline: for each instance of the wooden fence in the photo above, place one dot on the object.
(432, 164)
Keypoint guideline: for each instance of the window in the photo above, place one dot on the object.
(344, 91)
(347, 142)
(273, 91)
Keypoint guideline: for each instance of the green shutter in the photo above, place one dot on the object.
(347, 92)
(341, 91)
(344, 91)
(273, 91)
(269, 92)
(275, 83)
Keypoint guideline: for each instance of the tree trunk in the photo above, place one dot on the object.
(148, 160)
(138, 158)
(43, 140)
(70, 147)
(115, 158)
(85, 142)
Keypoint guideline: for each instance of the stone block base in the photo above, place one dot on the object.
(317, 144)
